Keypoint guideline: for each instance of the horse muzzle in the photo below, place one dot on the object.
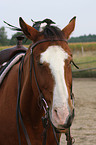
(68, 122)
(66, 125)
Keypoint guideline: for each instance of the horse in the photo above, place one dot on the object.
(36, 101)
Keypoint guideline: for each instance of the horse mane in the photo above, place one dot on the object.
(52, 32)
(49, 30)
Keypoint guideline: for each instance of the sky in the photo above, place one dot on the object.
(60, 11)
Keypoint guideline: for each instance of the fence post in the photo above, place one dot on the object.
(82, 50)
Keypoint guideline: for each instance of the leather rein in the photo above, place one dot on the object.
(44, 105)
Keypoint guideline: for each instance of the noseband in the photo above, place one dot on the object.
(44, 104)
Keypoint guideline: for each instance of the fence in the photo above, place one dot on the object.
(85, 71)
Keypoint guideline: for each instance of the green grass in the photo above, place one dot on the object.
(81, 59)
(86, 57)
(85, 74)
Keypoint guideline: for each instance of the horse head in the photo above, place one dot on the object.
(52, 64)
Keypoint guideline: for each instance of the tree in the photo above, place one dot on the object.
(13, 40)
(3, 36)
(84, 38)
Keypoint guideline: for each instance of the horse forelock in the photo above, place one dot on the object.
(50, 31)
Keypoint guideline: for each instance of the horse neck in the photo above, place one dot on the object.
(29, 94)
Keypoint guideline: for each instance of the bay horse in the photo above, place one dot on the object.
(35, 96)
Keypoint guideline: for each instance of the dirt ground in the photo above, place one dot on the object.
(84, 125)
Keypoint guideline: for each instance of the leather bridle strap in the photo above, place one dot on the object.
(46, 109)
(18, 112)
(43, 101)
(70, 140)
(46, 40)
(44, 119)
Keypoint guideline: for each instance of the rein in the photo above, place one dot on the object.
(44, 104)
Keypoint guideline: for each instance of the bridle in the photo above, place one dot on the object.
(44, 104)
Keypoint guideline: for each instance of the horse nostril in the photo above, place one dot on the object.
(69, 120)
(68, 123)
(56, 113)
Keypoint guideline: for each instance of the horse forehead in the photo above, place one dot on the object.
(55, 56)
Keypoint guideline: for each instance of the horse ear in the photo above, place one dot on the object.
(69, 28)
(30, 32)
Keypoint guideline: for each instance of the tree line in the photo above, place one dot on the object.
(85, 38)
(4, 41)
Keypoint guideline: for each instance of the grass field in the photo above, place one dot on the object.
(5, 47)
(86, 60)
(88, 46)
(88, 56)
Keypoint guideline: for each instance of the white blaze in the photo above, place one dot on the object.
(55, 56)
